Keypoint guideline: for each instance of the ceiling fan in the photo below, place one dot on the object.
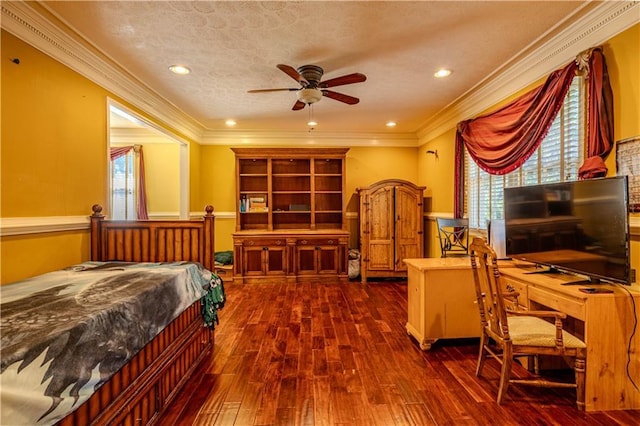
(312, 89)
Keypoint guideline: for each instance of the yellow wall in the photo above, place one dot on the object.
(54, 156)
(53, 136)
(162, 175)
(623, 62)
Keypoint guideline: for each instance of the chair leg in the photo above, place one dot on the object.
(580, 370)
(505, 372)
(481, 355)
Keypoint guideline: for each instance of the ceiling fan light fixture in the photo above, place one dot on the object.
(309, 96)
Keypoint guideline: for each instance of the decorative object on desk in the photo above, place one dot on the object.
(508, 333)
(628, 163)
(454, 236)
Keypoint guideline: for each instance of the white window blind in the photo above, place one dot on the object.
(123, 187)
(556, 160)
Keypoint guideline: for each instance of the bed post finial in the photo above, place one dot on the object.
(96, 221)
(97, 210)
(207, 254)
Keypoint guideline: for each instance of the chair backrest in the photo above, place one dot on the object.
(453, 235)
(486, 277)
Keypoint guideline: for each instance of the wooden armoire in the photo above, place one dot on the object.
(391, 227)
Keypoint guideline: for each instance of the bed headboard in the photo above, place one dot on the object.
(153, 240)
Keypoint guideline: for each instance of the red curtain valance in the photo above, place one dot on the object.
(503, 140)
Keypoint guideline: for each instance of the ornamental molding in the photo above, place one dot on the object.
(536, 61)
(32, 23)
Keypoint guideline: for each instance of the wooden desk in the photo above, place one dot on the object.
(441, 304)
(604, 321)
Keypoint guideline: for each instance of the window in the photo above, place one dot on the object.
(556, 160)
(123, 187)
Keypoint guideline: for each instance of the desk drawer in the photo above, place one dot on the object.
(572, 307)
(521, 288)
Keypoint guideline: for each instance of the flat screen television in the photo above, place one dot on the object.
(580, 227)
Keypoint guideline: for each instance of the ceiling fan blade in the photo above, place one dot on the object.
(340, 97)
(291, 72)
(345, 79)
(272, 90)
(298, 106)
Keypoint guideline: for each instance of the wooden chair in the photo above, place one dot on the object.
(454, 236)
(507, 333)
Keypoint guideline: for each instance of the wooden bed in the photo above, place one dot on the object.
(140, 392)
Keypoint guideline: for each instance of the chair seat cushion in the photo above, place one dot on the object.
(533, 331)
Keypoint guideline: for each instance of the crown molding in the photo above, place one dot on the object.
(266, 138)
(551, 51)
(34, 24)
(137, 136)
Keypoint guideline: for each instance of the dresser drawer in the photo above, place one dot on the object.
(330, 241)
(265, 242)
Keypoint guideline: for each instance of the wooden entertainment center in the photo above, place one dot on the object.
(291, 215)
(441, 305)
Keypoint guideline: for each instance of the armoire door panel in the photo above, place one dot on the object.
(381, 255)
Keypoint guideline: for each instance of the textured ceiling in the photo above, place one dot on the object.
(234, 46)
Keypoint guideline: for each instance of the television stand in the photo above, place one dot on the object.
(586, 281)
(542, 270)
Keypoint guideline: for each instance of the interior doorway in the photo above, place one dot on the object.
(166, 158)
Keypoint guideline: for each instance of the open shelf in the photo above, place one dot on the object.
(303, 187)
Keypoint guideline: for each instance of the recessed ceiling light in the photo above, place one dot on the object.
(441, 73)
(230, 122)
(312, 123)
(391, 124)
(179, 69)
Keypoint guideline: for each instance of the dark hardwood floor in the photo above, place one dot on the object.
(331, 354)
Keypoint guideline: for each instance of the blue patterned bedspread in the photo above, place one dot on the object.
(65, 333)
